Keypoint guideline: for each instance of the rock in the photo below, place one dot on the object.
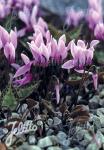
(47, 141)
(87, 136)
(31, 139)
(25, 146)
(101, 94)
(100, 138)
(56, 121)
(101, 130)
(50, 122)
(94, 102)
(61, 135)
(54, 148)
(101, 117)
(3, 131)
(92, 146)
(76, 148)
(50, 132)
(96, 121)
(65, 143)
(80, 133)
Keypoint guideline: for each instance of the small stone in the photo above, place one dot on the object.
(61, 135)
(57, 121)
(25, 146)
(65, 143)
(94, 102)
(3, 131)
(54, 148)
(50, 122)
(96, 122)
(31, 139)
(76, 148)
(47, 141)
(50, 132)
(92, 146)
(100, 138)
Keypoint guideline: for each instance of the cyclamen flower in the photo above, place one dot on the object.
(94, 14)
(29, 18)
(99, 31)
(31, 21)
(82, 56)
(58, 49)
(73, 17)
(9, 43)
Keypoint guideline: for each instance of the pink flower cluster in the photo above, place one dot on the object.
(8, 42)
(73, 17)
(7, 5)
(94, 17)
(44, 52)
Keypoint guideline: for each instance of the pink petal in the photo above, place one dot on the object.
(23, 17)
(73, 48)
(22, 70)
(81, 44)
(25, 58)
(45, 51)
(95, 80)
(39, 40)
(94, 43)
(9, 52)
(68, 65)
(63, 38)
(25, 80)
(57, 88)
(34, 14)
(13, 38)
(21, 32)
(4, 35)
(15, 66)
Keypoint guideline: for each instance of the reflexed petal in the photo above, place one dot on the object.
(24, 18)
(73, 48)
(21, 32)
(34, 14)
(15, 66)
(25, 58)
(4, 35)
(81, 44)
(45, 51)
(68, 65)
(13, 38)
(95, 80)
(57, 88)
(63, 38)
(39, 40)
(94, 43)
(9, 52)
(22, 70)
(26, 79)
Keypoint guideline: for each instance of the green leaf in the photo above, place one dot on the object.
(24, 92)
(74, 34)
(9, 100)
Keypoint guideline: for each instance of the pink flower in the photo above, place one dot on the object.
(23, 72)
(93, 17)
(9, 43)
(59, 49)
(73, 17)
(94, 14)
(82, 55)
(29, 18)
(99, 31)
